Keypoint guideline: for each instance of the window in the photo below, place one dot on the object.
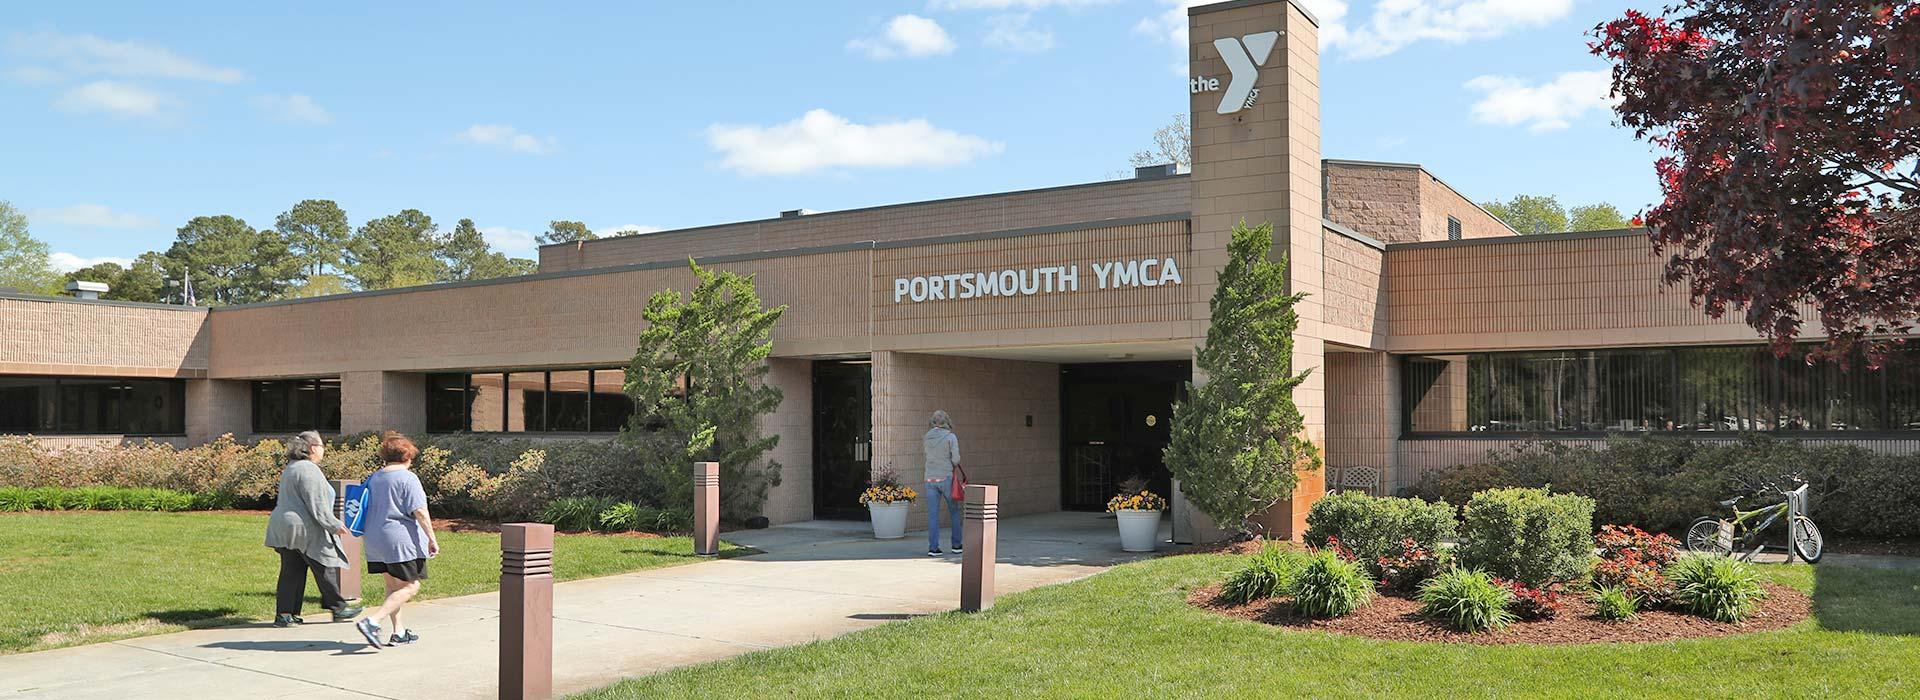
(534, 401)
(294, 405)
(1453, 229)
(1703, 389)
(92, 406)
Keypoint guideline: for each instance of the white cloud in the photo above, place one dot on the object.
(1548, 106)
(625, 230)
(116, 98)
(906, 35)
(507, 137)
(295, 108)
(821, 139)
(68, 262)
(509, 240)
(1008, 4)
(1393, 25)
(1015, 33)
(35, 75)
(89, 216)
(86, 54)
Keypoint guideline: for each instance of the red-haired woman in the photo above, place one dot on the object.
(399, 538)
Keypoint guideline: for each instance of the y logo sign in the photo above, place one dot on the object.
(1244, 56)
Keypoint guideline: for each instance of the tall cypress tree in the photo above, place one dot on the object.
(1237, 445)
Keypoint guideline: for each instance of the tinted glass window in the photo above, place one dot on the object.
(92, 406)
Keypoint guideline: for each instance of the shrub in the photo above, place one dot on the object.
(1406, 570)
(1530, 603)
(1326, 585)
(15, 499)
(1614, 604)
(1378, 527)
(620, 517)
(1716, 588)
(1632, 560)
(1266, 575)
(574, 514)
(1528, 535)
(1468, 600)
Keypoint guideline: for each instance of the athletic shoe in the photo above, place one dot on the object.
(371, 630)
(407, 637)
(345, 613)
(958, 550)
(933, 552)
(285, 620)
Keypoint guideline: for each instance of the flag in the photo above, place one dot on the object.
(189, 300)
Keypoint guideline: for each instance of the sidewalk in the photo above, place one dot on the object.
(815, 581)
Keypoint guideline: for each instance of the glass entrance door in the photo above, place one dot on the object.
(1115, 425)
(842, 438)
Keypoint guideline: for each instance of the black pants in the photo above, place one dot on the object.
(294, 567)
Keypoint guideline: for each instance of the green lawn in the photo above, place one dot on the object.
(74, 578)
(1129, 633)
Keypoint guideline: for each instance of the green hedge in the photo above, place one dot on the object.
(1663, 483)
(16, 499)
(1375, 527)
(1528, 535)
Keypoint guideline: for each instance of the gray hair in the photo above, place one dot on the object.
(940, 420)
(301, 446)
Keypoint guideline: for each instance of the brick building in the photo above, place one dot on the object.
(1055, 325)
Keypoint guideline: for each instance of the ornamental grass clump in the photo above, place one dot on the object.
(1267, 574)
(1716, 588)
(1468, 600)
(1614, 604)
(1327, 585)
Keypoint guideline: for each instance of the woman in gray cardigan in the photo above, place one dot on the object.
(306, 533)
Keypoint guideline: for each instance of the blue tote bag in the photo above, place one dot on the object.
(356, 509)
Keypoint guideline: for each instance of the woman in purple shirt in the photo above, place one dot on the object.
(399, 537)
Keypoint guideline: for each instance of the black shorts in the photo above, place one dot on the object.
(415, 570)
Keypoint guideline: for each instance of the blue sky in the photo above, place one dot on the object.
(123, 120)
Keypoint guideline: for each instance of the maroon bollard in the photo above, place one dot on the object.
(349, 545)
(526, 611)
(706, 509)
(982, 515)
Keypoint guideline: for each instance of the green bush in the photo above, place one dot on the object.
(1716, 588)
(1614, 604)
(1378, 527)
(620, 517)
(1661, 483)
(1468, 600)
(1528, 535)
(1325, 585)
(1267, 574)
(575, 513)
(14, 499)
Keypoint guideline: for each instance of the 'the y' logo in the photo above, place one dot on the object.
(1244, 56)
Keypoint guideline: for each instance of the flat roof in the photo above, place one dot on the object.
(1520, 238)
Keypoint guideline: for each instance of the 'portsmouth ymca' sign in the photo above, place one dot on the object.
(1057, 279)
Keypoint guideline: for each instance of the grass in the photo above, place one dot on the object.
(81, 577)
(1129, 633)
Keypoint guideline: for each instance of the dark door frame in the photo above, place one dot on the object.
(1143, 373)
(835, 495)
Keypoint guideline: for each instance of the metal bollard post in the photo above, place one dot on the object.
(349, 545)
(982, 514)
(526, 611)
(706, 509)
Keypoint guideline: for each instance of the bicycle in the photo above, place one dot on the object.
(1724, 537)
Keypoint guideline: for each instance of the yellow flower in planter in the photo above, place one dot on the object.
(1144, 500)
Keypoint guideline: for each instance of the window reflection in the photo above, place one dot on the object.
(551, 401)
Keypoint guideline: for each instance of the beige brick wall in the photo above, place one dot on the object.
(792, 500)
(378, 401)
(989, 401)
(1354, 298)
(1380, 201)
(1541, 292)
(72, 337)
(218, 407)
(1438, 201)
(999, 212)
(1362, 413)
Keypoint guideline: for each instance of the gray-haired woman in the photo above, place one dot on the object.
(306, 533)
(942, 451)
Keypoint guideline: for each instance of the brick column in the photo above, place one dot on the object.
(217, 407)
(706, 508)
(982, 514)
(526, 611)
(377, 401)
(350, 545)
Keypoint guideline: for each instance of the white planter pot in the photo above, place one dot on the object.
(1139, 529)
(889, 520)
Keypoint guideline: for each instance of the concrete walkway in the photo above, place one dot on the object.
(814, 581)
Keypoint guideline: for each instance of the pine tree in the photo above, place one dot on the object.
(1237, 445)
(698, 386)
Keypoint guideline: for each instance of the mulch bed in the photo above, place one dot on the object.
(1395, 618)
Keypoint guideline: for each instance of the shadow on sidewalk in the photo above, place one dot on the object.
(339, 648)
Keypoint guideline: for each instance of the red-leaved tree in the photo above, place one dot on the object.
(1791, 181)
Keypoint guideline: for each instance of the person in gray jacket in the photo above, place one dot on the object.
(942, 450)
(306, 533)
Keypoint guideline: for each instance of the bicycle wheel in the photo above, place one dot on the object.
(1806, 540)
(1703, 536)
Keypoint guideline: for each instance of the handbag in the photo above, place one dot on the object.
(356, 508)
(959, 492)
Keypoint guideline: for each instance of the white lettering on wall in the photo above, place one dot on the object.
(1047, 279)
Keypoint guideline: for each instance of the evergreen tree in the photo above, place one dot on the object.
(24, 260)
(317, 231)
(465, 256)
(1237, 445)
(566, 232)
(394, 251)
(698, 386)
(230, 262)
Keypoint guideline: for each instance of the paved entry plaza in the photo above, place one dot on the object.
(814, 581)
